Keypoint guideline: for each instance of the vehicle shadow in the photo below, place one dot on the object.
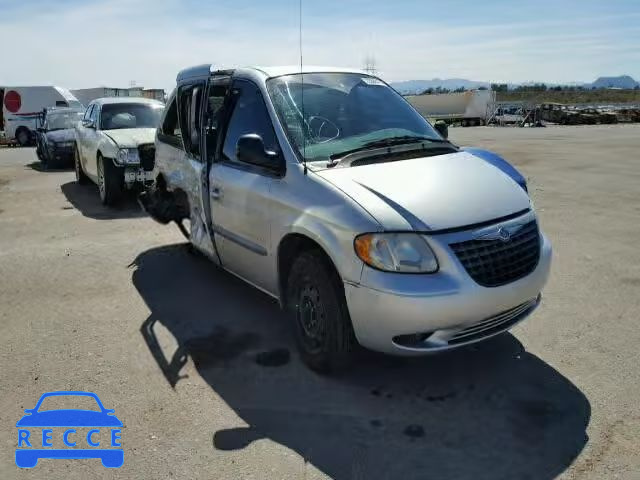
(86, 199)
(491, 411)
(37, 166)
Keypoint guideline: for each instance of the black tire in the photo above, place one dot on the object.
(317, 306)
(81, 177)
(50, 161)
(23, 136)
(39, 150)
(44, 160)
(110, 182)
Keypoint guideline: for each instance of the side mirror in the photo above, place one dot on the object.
(250, 149)
(88, 124)
(442, 128)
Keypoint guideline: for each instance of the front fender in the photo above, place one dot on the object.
(107, 147)
(337, 244)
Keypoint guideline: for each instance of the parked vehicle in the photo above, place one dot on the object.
(349, 208)
(509, 114)
(114, 145)
(55, 139)
(22, 107)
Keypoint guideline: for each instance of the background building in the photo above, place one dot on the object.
(87, 95)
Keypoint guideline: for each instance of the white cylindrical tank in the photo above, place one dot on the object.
(471, 104)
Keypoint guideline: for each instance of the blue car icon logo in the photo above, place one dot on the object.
(85, 433)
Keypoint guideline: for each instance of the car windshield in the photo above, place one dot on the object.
(130, 115)
(61, 121)
(343, 112)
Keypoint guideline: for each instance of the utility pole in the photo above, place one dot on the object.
(370, 64)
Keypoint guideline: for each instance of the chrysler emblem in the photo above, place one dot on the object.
(501, 233)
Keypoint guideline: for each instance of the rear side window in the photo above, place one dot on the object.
(170, 129)
(213, 116)
(189, 108)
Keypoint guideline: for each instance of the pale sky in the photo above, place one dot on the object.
(78, 44)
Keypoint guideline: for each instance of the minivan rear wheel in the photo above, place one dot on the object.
(316, 305)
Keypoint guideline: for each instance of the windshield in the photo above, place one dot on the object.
(130, 115)
(62, 121)
(342, 112)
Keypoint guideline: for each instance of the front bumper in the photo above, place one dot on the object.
(392, 312)
(61, 153)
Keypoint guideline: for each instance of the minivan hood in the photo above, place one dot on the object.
(431, 193)
(131, 137)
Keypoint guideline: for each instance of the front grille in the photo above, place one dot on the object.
(492, 263)
(492, 325)
(147, 156)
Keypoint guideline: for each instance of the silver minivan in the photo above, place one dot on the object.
(325, 189)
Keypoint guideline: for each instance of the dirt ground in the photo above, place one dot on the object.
(110, 302)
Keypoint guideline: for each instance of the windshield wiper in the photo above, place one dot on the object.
(378, 147)
(403, 139)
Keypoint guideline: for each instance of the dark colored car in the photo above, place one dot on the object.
(55, 139)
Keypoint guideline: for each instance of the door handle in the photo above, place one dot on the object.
(215, 193)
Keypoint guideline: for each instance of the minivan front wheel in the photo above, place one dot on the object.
(316, 304)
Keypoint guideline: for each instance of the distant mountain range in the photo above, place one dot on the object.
(418, 86)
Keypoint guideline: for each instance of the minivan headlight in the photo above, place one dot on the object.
(396, 252)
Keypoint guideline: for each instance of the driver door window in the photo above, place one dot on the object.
(94, 116)
(249, 115)
(87, 113)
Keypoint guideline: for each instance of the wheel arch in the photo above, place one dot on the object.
(24, 128)
(292, 245)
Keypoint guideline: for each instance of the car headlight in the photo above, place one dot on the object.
(396, 252)
(128, 156)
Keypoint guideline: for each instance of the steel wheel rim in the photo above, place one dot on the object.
(311, 318)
